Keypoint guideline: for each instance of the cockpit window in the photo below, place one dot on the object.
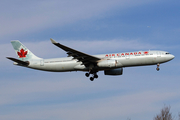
(167, 53)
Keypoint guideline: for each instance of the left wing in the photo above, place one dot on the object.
(83, 57)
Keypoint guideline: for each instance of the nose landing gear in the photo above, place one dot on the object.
(158, 67)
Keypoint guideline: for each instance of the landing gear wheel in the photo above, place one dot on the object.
(87, 74)
(91, 78)
(157, 69)
(93, 72)
(95, 76)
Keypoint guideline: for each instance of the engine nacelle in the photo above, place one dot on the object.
(118, 71)
(107, 63)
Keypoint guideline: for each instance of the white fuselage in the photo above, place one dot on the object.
(127, 59)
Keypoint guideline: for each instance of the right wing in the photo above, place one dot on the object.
(83, 57)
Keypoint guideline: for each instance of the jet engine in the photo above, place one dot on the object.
(107, 63)
(118, 71)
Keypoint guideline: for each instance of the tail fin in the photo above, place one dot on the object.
(22, 52)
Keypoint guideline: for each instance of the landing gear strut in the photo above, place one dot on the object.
(94, 75)
(158, 67)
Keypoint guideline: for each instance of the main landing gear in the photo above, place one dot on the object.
(158, 67)
(94, 75)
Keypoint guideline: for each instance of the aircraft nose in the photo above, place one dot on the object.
(171, 57)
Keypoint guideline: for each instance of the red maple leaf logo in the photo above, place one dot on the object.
(22, 53)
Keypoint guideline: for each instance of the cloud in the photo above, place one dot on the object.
(119, 106)
(26, 17)
(29, 94)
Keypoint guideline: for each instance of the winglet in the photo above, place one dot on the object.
(53, 41)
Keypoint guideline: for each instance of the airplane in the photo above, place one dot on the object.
(111, 64)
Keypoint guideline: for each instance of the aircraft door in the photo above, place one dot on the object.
(158, 54)
(42, 62)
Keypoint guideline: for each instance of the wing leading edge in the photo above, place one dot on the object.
(83, 57)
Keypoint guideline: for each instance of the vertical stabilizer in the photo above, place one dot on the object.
(22, 52)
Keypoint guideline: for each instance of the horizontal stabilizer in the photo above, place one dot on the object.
(20, 62)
